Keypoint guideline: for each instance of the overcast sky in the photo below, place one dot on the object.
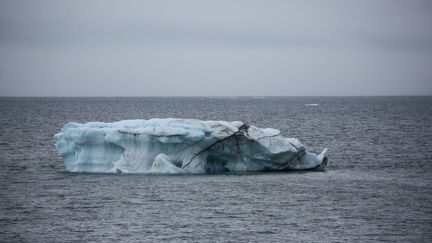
(215, 48)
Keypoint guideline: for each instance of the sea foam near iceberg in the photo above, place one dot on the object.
(175, 146)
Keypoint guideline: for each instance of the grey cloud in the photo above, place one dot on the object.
(275, 47)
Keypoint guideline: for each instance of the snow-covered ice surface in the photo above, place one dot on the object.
(175, 146)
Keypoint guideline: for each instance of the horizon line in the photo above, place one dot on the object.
(214, 96)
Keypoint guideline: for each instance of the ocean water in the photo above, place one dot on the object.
(378, 185)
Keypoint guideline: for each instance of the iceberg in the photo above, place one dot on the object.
(176, 146)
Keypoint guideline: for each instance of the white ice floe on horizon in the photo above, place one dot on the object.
(175, 146)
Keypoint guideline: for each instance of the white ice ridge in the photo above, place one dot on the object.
(174, 146)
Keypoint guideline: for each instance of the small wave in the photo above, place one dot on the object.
(311, 104)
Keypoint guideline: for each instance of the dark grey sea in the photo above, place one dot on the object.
(378, 186)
